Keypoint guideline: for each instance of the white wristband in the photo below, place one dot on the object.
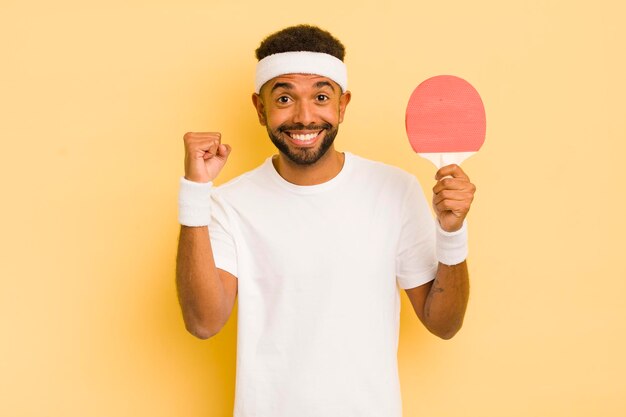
(194, 203)
(451, 246)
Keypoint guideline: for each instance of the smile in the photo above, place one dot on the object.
(303, 138)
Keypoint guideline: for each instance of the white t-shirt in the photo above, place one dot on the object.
(318, 271)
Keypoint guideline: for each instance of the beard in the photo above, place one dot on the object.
(304, 156)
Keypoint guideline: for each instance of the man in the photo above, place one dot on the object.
(315, 244)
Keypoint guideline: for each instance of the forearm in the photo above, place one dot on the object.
(445, 305)
(201, 292)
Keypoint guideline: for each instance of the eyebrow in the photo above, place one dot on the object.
(321, 84)
(286, 86)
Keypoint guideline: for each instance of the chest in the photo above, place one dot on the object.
(314, 233)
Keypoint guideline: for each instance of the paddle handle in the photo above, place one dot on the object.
(441, 159)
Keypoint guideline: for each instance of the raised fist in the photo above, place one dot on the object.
(205, 155)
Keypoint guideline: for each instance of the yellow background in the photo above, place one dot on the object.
(95, 98)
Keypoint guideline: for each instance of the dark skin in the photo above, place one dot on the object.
(207, 294)
(441, 304)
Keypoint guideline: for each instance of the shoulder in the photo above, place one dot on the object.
(378, 167)
(378, 172)
(246, 180)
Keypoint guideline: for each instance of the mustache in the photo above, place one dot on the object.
(300, 126)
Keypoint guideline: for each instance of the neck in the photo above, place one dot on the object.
(325, 169)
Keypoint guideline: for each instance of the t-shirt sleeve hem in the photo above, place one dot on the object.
(415, 280)
(230, 267)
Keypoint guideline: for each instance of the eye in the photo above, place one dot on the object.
(283, 99)
(322, 97)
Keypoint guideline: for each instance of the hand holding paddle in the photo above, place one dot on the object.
(452, 197)
(445, 123)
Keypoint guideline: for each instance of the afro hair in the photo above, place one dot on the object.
(301, 38)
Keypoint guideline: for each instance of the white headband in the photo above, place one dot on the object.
(302, 62)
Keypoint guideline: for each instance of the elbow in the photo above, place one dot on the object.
(203, 324)
(446, 333)
(201, 330)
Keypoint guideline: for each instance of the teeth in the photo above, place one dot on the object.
(306, 137)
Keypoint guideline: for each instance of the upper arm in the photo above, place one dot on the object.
(418, 296)
(224, 253)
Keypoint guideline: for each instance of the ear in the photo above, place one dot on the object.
(343, 103)
(260, 108)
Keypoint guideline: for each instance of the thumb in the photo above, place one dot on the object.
(223, 151)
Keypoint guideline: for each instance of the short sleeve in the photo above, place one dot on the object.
(221, 234)
(416, 263)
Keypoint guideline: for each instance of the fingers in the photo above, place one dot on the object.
(452, 184)
(458, 208)
(202, 144)
(453, 171)
(454, 201)
(453, 195)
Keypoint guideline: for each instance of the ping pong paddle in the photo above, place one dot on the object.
(445, 120)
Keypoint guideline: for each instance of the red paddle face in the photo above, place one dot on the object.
(445, 114)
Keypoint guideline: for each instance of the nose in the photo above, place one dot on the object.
(304, 113)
